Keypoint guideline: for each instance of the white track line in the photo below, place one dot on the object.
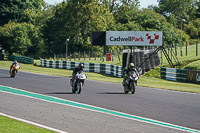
(33, 123)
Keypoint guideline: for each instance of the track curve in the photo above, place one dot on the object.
(168, 106)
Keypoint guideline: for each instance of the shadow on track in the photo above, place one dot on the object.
(47, 77)
(111, 93)
(5, 77)
(60, 93)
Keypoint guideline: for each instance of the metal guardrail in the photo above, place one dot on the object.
(182, 75)
(109, 69)
(21, 59)
(173, 74)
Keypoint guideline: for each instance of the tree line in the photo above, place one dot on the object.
(36, 29)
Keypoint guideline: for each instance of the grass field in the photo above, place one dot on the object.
(185, 60)
(8, 125)
(191, 56)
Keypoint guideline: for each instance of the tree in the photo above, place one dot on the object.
(126, 12)
(130, 18)
(193, 28)
(21, 38)
(14, 10)
(76, 19)
(176, 10)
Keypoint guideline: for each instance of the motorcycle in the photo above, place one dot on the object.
(130, 82)
(78, 82)
(14, 70)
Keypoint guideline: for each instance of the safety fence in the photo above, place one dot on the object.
(21, 59)
(173, 74)
(109, 69)
(183, 75)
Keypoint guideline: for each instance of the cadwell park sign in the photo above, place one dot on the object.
(134, 38)
(127, 38)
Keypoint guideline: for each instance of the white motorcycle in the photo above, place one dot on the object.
(78, 82)
(130, 82)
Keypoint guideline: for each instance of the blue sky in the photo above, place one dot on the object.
(143, 3)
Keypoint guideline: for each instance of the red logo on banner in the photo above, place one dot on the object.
(152, 40)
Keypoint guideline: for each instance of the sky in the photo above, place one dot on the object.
(143, 3)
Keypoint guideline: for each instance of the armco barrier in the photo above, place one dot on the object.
(22, 59)
(173, 74)
(193, 76)
(109, 69)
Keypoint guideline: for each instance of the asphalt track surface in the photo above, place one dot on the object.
(173, 107)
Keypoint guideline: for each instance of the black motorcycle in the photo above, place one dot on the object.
(130, 82)
(78, 82)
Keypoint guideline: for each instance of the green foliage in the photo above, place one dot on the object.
(145, 20)
(181, 9)
(193, 28)
(185, 36)
(193, 66)
(76, 20)
(20, 38)
(46, 28)
(14, 10)
(178, 10)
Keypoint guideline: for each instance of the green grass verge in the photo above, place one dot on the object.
(193, 65)
(184, 59)
(147, 80)
(8, 125)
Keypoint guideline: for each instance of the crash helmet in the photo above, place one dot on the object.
(81, 66)
(131, 66)
(15, 62)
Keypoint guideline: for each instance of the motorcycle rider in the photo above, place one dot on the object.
(14, 63)
(127, 70)
(80, 67)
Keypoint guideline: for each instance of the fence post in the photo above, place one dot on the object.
(79, 55)
(171, 51)
(54, 57)
(186, 48)
(118, 54)
(196, 48)
(175, 49)
(161, 57)
(84, 55)
(61, 56)
(89, 55)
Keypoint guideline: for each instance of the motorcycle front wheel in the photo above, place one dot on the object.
(132, 87)
(73, 89)
(13, 73)
(125, 90)
(79, 87)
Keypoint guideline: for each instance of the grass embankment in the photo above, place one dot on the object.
(189, 61)
(146, 80)
(184, 60)
(8, 125)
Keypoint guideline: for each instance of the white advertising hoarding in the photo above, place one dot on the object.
(134, 38)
